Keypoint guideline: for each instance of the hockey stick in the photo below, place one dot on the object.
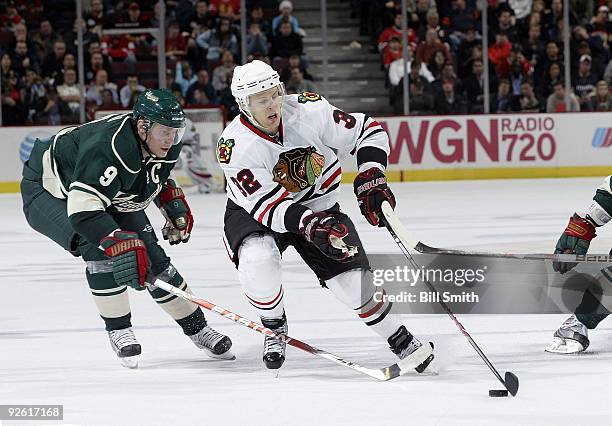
(387, 373)
(572, 258)
(399, 234)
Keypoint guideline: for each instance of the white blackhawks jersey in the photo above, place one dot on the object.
(248, 156)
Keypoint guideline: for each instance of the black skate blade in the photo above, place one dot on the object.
(512, 383)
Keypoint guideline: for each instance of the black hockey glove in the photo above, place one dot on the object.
(371, 190)
(575, 240)
(129, 255)
(329, 232)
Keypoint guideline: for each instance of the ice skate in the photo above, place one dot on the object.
(570, 338)
(402, 344)
(215, 344)
(274, 350)
(126, 346)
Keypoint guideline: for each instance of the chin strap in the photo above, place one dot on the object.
(143, 143)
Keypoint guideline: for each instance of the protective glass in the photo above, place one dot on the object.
(164, 133)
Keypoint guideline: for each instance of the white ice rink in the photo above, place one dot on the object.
(54, 350)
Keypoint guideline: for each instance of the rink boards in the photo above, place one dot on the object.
(431, 147)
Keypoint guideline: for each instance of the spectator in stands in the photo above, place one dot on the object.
(176, 43)
(601, 100)
(107, 100)
(94, 92)
(69, 62)
(502, 101)
(96, 14)
(448, 74)
(13, 111)
(499, 54)
(436, 64)
(257, 16)
(297, 83)
(474, 88)
(462, 18)
(69, 92)
(448, 101)
(551, 55)
(285, 7)
(516, 77)
(427, 48)
(521, 8)
(286, 43)
(45, 39)
(506, 23)
(54, 111)
(396, 70)
(96, 64)
(201, 19)
(552, 16)
(23, 59)
(32, 93)
(229, 9)
(10, 17)
(134, 18)
(184, 76)
(131, 85)
(584, 82)
(392, 51)
(395, 30)
(433, 23)
(20, 33)
(219, 78)
(257, 43)
(600, 22)
(552, 77)
(204, 86)
(593, 46)
(527, 100)
(6, 64)
(533, 46)
(218, 40)
(421, 102)
(464, 53)
(294, 61)
(54, 62)
(227, 100)
(556, 101)
(417, 13)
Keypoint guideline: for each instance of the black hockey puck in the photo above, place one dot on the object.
(498, 392)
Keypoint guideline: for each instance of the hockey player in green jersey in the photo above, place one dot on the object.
(87, 187)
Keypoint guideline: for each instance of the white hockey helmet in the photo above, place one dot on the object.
(252, 78)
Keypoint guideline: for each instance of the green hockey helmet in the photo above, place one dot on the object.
(160, 106)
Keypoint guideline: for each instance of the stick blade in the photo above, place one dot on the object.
(512, 383)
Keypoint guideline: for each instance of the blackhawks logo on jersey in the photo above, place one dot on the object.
(309, 97)
(224, 150)
(298, 168)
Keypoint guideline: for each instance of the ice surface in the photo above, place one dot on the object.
(54, 350)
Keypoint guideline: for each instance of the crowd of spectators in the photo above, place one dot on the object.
(525, 52)
(38, 54)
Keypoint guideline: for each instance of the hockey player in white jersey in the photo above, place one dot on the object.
(572, 336)
(192, 163)
(280, 160)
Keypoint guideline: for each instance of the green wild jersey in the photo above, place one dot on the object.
(100, 169)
